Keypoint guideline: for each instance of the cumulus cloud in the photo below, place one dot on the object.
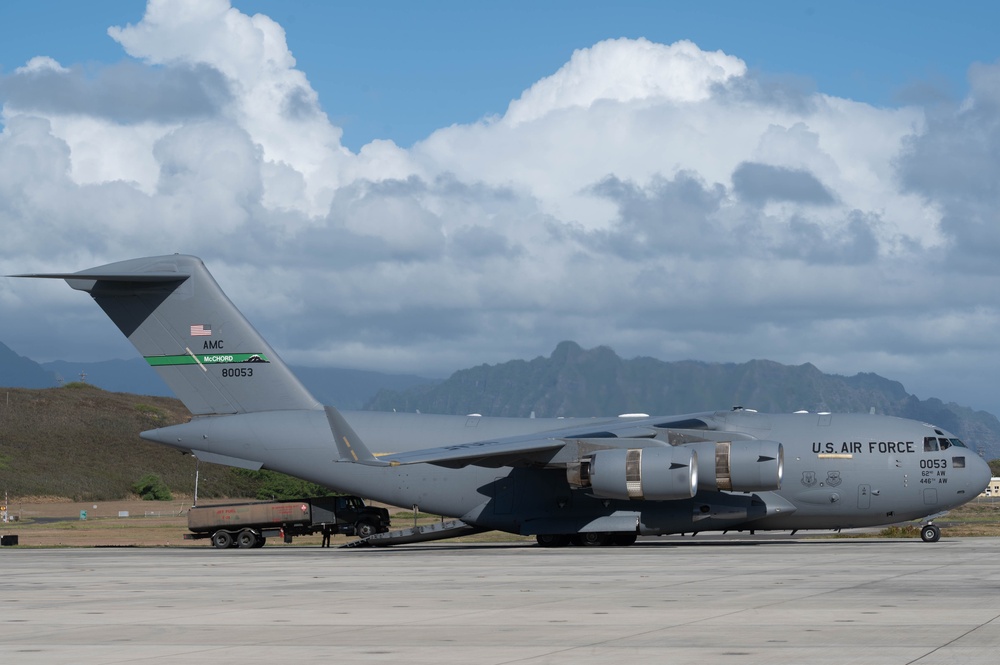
(658, 198)
(625, 70)
(954, 166)
(273, 101)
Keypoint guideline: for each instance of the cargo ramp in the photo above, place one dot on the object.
(421, 533)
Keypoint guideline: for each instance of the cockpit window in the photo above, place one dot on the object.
(930, 444)
(957, 443)
(958, 462)
(945, 444)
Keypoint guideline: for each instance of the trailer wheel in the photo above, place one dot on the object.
(222, 539)
(364, 529)
(246, 539)
(260, 541)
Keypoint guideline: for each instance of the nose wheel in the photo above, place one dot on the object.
(930, 533)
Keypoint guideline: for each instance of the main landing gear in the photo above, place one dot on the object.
(585, 539)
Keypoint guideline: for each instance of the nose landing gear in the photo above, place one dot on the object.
(930, 533)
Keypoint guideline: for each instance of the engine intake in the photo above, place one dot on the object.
(653, 474)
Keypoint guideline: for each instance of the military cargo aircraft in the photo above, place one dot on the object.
(603, 480)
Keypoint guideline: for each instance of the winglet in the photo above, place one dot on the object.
(349, 444)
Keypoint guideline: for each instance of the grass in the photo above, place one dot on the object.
(900, 531)
(408, 515)
(980, 518)
(101, 525)
(154, 413)
(494, 537)
(82, 443)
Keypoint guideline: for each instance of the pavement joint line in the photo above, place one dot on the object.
(951, 642)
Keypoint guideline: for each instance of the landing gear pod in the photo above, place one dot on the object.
(654, 474)
(741, 466)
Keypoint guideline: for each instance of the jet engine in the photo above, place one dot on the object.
(742, 466)
(654, 473)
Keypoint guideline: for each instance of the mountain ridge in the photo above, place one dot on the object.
(343, 387)
(582, 382)
(573, 381)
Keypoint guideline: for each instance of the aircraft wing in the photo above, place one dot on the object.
(529, 449)
(480, 453)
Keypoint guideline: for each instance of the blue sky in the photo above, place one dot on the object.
(400, 70)
(430, 186)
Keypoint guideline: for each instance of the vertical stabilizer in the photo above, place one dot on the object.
(173, 311)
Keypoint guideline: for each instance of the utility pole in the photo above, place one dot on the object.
(3, 508)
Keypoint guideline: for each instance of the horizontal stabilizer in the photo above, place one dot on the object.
(86, 275)
(215, 458)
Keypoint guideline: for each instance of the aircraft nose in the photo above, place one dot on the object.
(981, 474)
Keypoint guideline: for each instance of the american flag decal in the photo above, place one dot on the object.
(201, 330)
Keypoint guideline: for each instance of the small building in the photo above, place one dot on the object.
(993, 489)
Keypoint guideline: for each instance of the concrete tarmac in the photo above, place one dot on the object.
(740, 600)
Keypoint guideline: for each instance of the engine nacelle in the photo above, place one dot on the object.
(740, 466)
(654, 474)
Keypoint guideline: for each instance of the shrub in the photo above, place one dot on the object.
(274, 485)
(151, 488)
(995, 466)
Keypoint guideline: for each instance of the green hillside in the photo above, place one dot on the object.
(82, 443)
